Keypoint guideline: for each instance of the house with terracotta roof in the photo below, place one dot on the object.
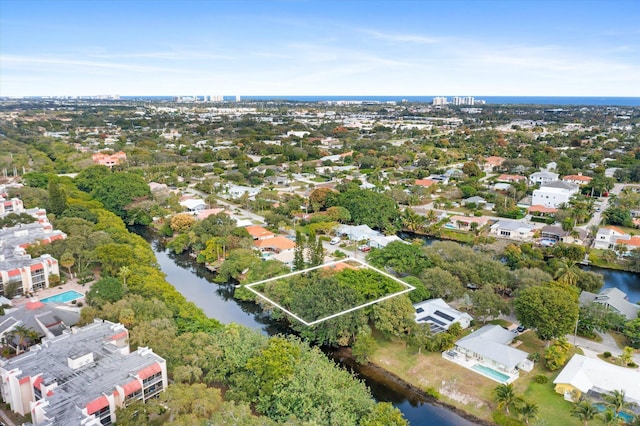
(463, 223)
(109, 160)
(540, 210)
(259, 233)
(81, 376)
(425, 182)
(276, 244)
(608, 237)
(577, 179)
(492, 163)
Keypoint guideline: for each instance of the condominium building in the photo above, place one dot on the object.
(81, 376)
(17, 269)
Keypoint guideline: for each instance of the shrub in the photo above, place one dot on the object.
(534, 356)
(433, 392)
(541, 378)
(607, 354)
(73, 302)
(632, 364)
(80, 304)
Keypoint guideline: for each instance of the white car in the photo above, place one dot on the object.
(335, 240)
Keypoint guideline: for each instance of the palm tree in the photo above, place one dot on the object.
(616, 400)
(505, 396)
(585, 411)
(431, 216)
(567, 273)
(609, 417)
(26, 336)
(124, 273)
(527, 411)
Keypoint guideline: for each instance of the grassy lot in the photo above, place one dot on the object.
(621, 339)
(472, 392)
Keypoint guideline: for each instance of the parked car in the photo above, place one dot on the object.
(335, 240)
(364, 247)
(521, 328)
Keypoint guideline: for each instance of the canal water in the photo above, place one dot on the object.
(196, 283)
(216, 300)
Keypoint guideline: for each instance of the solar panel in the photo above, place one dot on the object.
(437, 321)
(443, 315)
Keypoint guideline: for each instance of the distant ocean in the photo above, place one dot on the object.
(493, 100)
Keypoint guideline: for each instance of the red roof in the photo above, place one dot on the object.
(14, 272)
(277, 243)
(257, 231)
(37, 266)
(37, 382)
(131, 387)
(119, 335)
(97, 404)
(542, 209)
(34, 305)
(425, 182)
(150, 371)
(24, 379)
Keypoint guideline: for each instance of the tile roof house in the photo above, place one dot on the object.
(511, 178)
(277, 244)
(492, 163)
(612, 298)
(259, 233)
(584, 375)
(612, 237)
(577, 179)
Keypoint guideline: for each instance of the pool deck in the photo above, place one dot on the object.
(468, 364)
(52, 291)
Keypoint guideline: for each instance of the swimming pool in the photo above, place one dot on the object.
(64, 297)
(490, 372)
(626, 417)
(450, 226)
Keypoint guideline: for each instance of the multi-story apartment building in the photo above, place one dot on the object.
(81, 376)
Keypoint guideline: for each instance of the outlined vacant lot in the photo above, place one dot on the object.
(406, 288)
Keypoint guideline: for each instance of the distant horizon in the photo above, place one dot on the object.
(627, 101)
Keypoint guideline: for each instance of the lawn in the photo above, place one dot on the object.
(472, 392)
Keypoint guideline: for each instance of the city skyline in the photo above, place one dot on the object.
(485, 48)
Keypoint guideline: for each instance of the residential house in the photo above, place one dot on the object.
(356, 233)
(440, 316)
(594, 377)
(512, 229)
(577, 179)
(276, 244)
(554, 194)
(489, 347)
(477, 200)
(612, 237)
(381, 241)
(81, 376)
(463, 223)
(109, 160)
(259, 233)
(540, 210)
(443, 179)
(492, 163)
(612, 298)
(427, 183)
(193, 205)
(557, 234)
(543, 177)
(511, 178)
(237, 191)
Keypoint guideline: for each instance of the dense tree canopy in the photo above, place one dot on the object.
(551, 310)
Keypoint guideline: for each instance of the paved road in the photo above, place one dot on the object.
(597, 216)
(6, 419)
(253, 216)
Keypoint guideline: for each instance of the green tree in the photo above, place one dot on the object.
(57, 197)
(551, 311)
(393, 317)
(91, 177)
(298, 252)
(631, 331)
(120, 189)
(527, 411)
(384, 414)
(370, 208)
(364, 346)
(67, 260)
(487, 304)
(616, 400)
(567, 273)
(585, 411)
(471, 169)
(401, 257)
(106, 289)
(505, 397)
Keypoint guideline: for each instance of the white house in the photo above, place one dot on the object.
(607, 237)
(584, 375)
(489, 347)
(440, 316)
(543, 177)
(193, 204)
(512, 229)
(553, 194)
(357, 233)
(612, 298)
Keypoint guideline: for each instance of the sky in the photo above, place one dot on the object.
(308, 47)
